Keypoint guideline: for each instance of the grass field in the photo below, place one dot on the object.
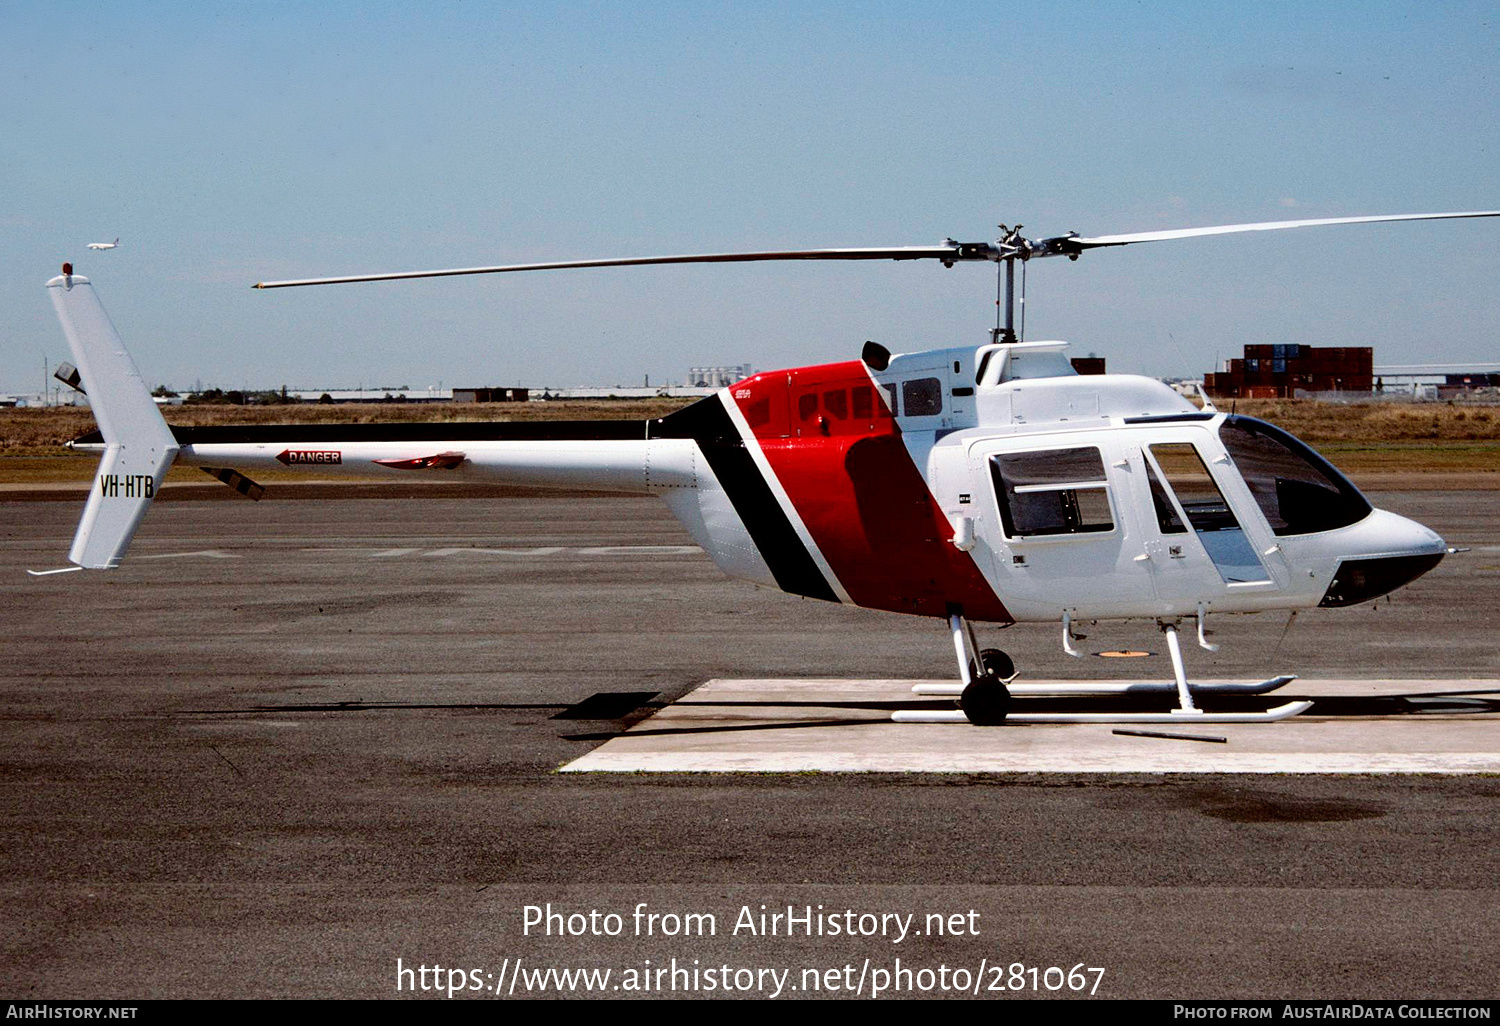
(1389, 438)
(1359, 438)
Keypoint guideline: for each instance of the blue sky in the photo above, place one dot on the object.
(229, 143)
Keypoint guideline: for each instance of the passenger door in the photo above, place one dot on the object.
(1060, 527)
(1198, 543)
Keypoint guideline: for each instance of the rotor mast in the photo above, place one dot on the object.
(1011, 247)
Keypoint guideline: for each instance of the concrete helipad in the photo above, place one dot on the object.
(780, 726)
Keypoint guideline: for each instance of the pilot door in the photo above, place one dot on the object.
(1202, 541)
(1060, 527)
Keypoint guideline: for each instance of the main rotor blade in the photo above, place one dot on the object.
(948, 253)
(1079, 243)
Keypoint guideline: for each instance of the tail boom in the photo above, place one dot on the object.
(636, 466)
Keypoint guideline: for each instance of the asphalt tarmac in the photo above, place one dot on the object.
(291, 743)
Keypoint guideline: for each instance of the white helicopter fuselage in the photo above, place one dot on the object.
(1127, 555)
(1022, 492)
(991, 485)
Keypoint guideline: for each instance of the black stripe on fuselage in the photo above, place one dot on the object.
(708, 423)
(443, 431)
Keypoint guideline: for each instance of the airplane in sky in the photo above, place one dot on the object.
(104, 245)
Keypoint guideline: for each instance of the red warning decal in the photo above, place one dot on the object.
(291, 457)
(442, 461)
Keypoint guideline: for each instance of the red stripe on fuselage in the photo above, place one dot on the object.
(832, 443)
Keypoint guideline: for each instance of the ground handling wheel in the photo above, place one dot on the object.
(985, 701)
(997, 663)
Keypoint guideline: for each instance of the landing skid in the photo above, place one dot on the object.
(985, 699)
(1102, 689)
(1179, 716)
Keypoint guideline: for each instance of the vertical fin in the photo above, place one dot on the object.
(139, 446)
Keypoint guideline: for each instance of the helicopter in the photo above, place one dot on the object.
(971, 484)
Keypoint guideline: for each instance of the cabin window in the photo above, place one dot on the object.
(922, 397)
(1208, 513)
(984, 363)
(890, 395)
(864, 405)
(807, 405)
(1206, 508)
(1166, 513)
(1058, 491)
(758, 413)
(1298, 491)
(836, 403)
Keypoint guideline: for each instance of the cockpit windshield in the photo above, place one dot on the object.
(1298, 491)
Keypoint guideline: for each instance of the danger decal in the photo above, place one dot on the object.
(292, 457)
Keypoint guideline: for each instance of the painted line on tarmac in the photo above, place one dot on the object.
(206, 553)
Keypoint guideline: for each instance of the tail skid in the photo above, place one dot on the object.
(139, 446)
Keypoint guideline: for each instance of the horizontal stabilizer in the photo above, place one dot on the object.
(68, 375)
(239, 482)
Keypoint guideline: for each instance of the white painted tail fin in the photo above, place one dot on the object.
(139, 446)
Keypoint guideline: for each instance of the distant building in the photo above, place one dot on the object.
(1283, 371)
(1436, 380)
(717, 377)
(399, 394)
(491, 395)
(57, 397)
